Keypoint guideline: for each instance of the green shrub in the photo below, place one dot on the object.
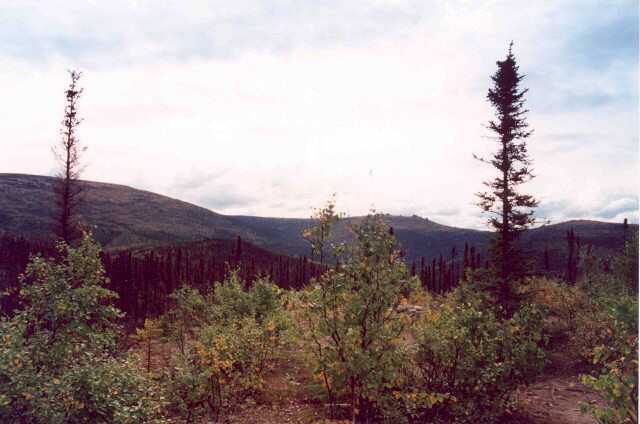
(189, 312)
(234, 339)
(570, 315)
(473, 359)
(597, 319)
(614, 358)
(352, 323)
(57, 354)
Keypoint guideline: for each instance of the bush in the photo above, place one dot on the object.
(353, 327)
(472, 359)
(57, 358)
(226, 351)
(597, 319)
(614, 358)
(189, 312)
(568, 311)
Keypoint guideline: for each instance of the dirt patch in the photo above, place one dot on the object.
(555, 396)
(555, 400)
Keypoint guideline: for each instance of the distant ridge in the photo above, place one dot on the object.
(123, 217)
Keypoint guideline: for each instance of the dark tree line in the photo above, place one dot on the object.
(444, 273)
(144, 279)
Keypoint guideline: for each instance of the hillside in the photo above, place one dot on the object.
(118, 216)
(122, 217)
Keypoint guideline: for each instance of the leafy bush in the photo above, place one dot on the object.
(568, 311)
(472, 359)
(226, 351)
(597, 319)
(189, 312)
(352, 323)
(57, 354)
(615, 365)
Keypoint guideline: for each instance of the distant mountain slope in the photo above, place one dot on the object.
(123, 217)
(119, 216)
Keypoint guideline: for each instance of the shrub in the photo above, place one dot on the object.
(472, 359)
(565, 308)
(189, 312)
(597, 319)
(57, 354)
(615, 365)
(228, 349)
(352, 322)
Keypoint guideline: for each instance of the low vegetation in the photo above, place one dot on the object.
(58, 357)
(378, 347)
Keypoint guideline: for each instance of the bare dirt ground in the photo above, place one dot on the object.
(555, 400)
(555, 396)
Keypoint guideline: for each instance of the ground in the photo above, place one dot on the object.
(555, 396)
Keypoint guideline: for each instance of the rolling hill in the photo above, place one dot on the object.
(121, 217)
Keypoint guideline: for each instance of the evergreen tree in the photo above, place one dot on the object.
(68, 190)
(510, 210)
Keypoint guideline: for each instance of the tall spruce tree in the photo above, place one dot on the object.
(67, 188)
(510, 211)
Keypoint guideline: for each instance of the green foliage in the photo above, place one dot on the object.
(627, 264)
(352, 322)
(614, 357)
(317, 235)
(190, 311)
(234, 337)
(472, 358)
(147, 335)
(510, 211)
(57, 354)
(596, 320)
(570, 315)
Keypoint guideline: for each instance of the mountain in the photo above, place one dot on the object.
(122, 217)
(118, 216)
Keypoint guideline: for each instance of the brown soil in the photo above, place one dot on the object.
(555, 396)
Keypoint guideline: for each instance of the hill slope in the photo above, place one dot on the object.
(123, 217)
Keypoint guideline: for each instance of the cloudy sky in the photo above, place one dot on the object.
(267, 108)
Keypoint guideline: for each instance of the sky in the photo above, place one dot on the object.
(268, 108)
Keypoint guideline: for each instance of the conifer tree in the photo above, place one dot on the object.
(510, 210)
(67, 189)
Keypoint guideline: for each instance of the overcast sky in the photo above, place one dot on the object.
(267, 108)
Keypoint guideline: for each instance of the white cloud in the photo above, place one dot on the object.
(383, 105)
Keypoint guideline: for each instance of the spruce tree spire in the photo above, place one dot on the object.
(510, 211)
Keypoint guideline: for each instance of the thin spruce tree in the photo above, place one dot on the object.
(510, 211)
(68, 191)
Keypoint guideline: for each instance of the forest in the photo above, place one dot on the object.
(221, 330)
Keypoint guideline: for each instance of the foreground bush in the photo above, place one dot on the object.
(614, 362)
(472, 358)
(353, 325)
(57, 354)
(597, 321)
(234, 337)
